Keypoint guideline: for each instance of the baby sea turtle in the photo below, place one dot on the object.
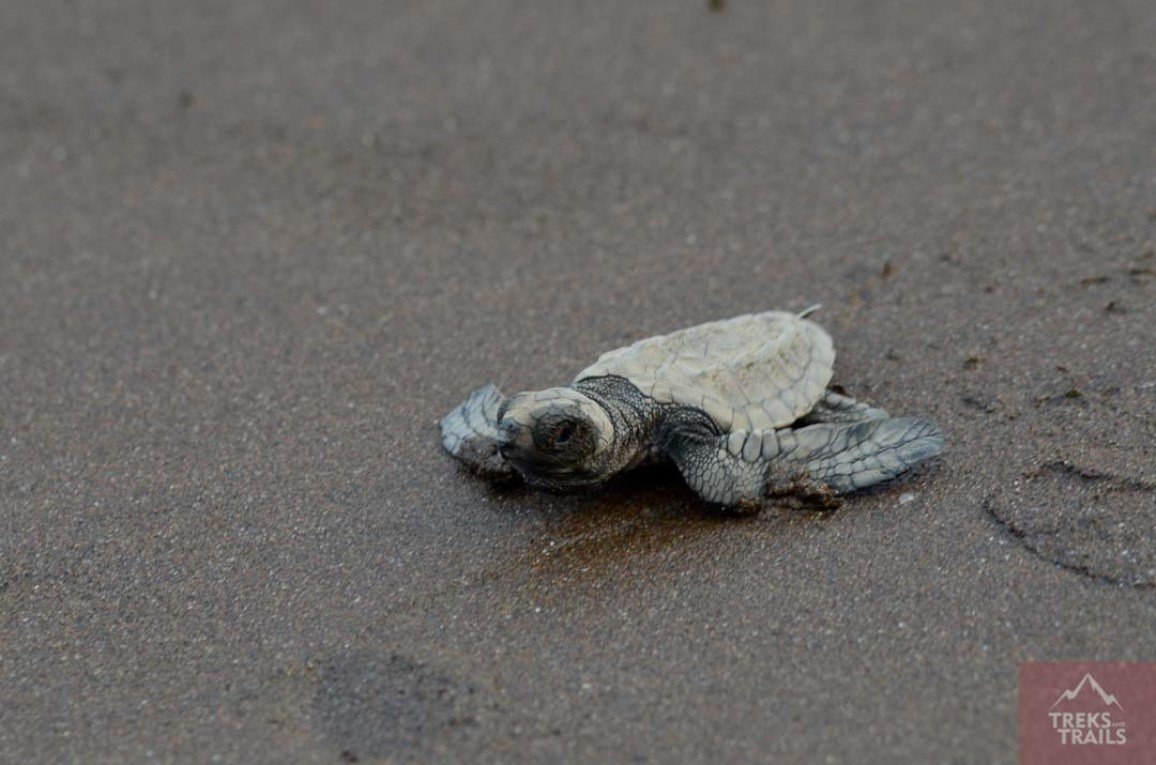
(742, 407)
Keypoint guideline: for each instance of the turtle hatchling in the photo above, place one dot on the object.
(742, 407)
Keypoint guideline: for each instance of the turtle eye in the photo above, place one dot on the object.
(557, 436)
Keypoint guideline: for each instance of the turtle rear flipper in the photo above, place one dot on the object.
(837, 408)
(470, 433)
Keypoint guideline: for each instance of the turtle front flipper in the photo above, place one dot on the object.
(855, 456)
(808, 467)
(470, 433)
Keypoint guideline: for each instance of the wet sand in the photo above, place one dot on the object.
(251, 252)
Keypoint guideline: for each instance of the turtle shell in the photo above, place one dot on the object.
(755, 372)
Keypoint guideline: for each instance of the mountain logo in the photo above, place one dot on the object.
(1108, 699)
(1087, 713)
(1084, 717)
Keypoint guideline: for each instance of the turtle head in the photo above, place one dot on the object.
(555, 438)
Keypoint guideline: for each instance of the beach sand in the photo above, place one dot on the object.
(250, 253)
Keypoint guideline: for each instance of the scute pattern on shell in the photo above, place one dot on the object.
(754, 372)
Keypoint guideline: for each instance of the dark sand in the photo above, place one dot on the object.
(251, 252)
